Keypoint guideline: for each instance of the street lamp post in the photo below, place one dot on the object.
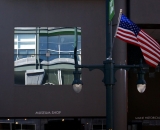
(108, 68)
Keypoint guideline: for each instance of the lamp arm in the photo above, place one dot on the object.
(130, 66)
(116, 67)
(91, 67)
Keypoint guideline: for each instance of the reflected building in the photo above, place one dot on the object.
(45, 55)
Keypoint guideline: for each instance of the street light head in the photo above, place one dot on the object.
(77, 85)
(141, 83)
(141, 87)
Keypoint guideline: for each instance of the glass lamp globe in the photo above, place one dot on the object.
(141, 83)
(77, 87)
(141, 87)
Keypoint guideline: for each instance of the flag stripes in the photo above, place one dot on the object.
(150, 49)
(149, 42)
(129, 32)
(149, 61)
(127, 36)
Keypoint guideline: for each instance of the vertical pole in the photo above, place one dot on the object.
(37, 48)
(108, 40)
(111, 49)
(108, 72)
(76, 72)
(109, 108)
(75, 47)
(109, 82)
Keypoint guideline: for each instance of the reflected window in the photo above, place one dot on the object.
(45, 49)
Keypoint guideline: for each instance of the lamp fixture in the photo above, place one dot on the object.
(141, 83)
(77, 83)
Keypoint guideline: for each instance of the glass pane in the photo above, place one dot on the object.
(54, 52)
(67, 42)
(26, 45)
(79, 45)
(79, 51)
(31, 51)
(46, 77)
(15, 45)
(53, 46)
(26, 37)
(53, 57)
(15, 57)
(43, 52)
(43, 45)
(67, 47)
(24, 51)
(43, 39)
(67, 39)
(21, 56)
(15, 51)
(67, 77)
(54, 76)
(53, 39)
(43, 58)
(43, 42)
(65, 55)
(15, 38)
(79, 38)
(79, 58)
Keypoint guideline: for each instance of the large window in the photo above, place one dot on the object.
(46, 54)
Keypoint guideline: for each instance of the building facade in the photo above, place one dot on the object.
(37, 44)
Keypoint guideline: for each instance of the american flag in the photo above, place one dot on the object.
(129, 32)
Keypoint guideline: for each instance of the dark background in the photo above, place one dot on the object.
(145, 14)
(24, 101)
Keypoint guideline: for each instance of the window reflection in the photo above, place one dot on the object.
(42, 46)
(53, 47)
(67, 76)
(53, 56)
(15, 51)
(64, 43)
(43, 52)
(67, 55)
(46, 49)
(53, 39)
(25, 51)
(43, 58)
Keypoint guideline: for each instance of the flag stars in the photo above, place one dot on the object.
(129, 25)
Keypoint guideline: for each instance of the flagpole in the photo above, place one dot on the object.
(119, 17)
